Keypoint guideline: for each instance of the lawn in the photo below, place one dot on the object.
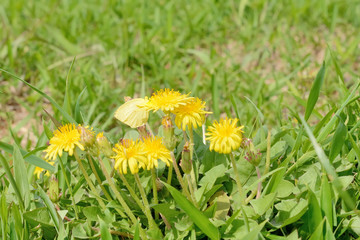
(287, 71)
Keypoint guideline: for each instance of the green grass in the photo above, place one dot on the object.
(255, 60)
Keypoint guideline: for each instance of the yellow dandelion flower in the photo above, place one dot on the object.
(167, 100)
(39, 170)
(132, 114)
(156, 150)
(129, 153)
(66, 138)
(191, 114)
(225, 136)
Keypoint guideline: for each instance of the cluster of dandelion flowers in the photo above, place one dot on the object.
(191, 114)
(167, 100)
(225, 136)
(129, 153)
(65, 138)
(156, 150)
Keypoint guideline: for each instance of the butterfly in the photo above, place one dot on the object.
(132, 114)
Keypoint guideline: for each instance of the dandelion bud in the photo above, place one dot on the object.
(252, 155)
(159, 185)
(169, 137)
(143, 133)
(53, 191)
(87, 136)
(104, 145)
(186, 163)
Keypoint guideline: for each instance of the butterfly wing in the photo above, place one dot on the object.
(132, 114)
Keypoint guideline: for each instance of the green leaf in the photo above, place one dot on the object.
(50, 206)
(104, 230)
(32, 159)
(262, 204)
(315, 92)
(326, 199)
(21, 176)
(289, 212)
(41, 216)
(67, 98)
(78, 117)
(318, 233)
(53, 102)
(338, 140)
(6, 167)
(254, 233)
(328, 167)
(195, 215)
(314, 212)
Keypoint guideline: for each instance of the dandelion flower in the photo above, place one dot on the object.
(191, 114)
(65, 138)
(155, 150)
(225, 136)
(39, 170)
(132, 114)
(167, 100)
(129, 153)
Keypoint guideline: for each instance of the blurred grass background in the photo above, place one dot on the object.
(226, 52)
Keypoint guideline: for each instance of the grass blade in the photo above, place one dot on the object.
(21, 176)
(32, 159)
(195, 214)
(6, 167)
(53, 102)
(328, 167)
(338, 140)
(315, 92)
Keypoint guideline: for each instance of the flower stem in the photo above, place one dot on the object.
(259, 184)
(170, 171)
(91, 185)
(192, 173)
(69, 187)
(237, 176)
(120, 198)
(178, 174)
(108, 197)
(132, 192)
(146, 203)
(191, 189)
(153, 178)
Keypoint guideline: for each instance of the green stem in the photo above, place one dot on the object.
(178, 174)
(120, 199)
(132, 192)
(191, 189)
(237, 176)
(170, 171)
(88, 180)
(153, 177)
(146, 203)
(192, 173)
(259, 184)
(107, 195)
(69, 187)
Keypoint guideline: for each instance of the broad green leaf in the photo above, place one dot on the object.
(318, 233)
(254, 233)
(21, 176)
(104, 230)
(315, 92)
(41, 216)
(284, 189)
(329, 235)
(262, 204)
(289, 212)
(195, 215)
(338, 140)
(32, 159)
(314, 216)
